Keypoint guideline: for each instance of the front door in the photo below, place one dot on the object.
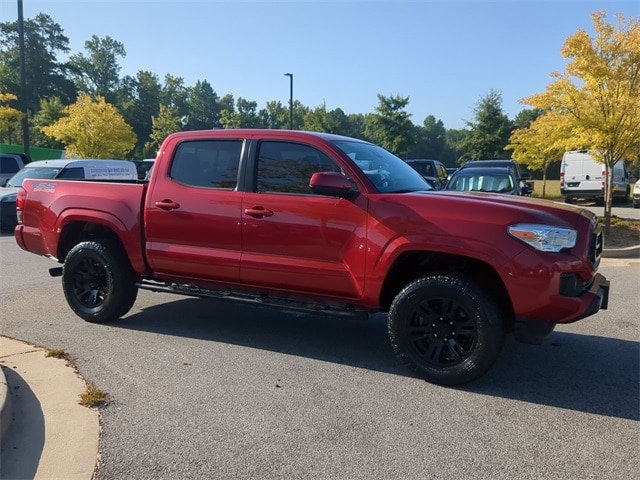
(295, 240)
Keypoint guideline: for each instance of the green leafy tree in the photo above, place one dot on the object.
(274, 115)
(98, 73)
(489, 133)
(45, 76)
(600, 93)
(165, 123)
(93, 130)
(175, 95)
(140, 103)
(10, 118)
(204, 109)
(51, 110)
(430, 140)
(243, 115)
(391, 126)
(454, 139)
(319, 120)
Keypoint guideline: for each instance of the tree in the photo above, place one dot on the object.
(98, 74)
(541, 143)
(243, 115)
(319, 120)
(430, 140)
(164, 124)
(51, 110)
(274, 115)
(391, 126)
(93, 130)
(140, 103)
(204, 110)
(489, 133)
(175, 95)
(45, 77)
(600, 93)
(10, 118)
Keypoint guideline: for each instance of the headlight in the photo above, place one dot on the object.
(8, 198)
(544, 237)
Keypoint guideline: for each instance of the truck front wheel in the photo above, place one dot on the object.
(446, 329)
(98, 282)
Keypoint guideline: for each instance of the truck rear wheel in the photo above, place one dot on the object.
(98, 282)
(446, 329)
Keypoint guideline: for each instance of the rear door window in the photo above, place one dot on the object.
(207, 163)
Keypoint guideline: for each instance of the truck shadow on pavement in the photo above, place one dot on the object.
(584, 373)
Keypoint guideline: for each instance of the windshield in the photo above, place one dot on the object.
(500, 183)
(386, 171)
(33, 172)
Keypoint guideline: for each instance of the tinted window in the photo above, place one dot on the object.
(8, 165)
(74, 172)
(287, 167)
(207, 163)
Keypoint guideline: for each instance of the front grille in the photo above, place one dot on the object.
(596, 247)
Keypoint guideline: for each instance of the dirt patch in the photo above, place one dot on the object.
(624, 233)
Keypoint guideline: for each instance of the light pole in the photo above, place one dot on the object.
(23, 84)
(290, 75)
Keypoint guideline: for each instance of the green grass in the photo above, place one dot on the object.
(552, 189)
(92, 397)
(56, 353)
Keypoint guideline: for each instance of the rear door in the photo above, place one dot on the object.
(293, 239)
(192, 214)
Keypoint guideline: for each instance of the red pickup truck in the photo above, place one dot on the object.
(326, 223)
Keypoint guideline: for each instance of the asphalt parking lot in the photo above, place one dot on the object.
(205, 389)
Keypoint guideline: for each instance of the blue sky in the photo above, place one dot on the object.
(444, 55)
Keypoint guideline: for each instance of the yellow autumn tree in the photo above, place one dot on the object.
(542, 143)
(93, 130)
(599, 92)
(10, 117)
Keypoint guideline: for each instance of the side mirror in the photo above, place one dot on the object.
(332, 184)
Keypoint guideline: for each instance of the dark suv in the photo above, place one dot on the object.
(432, 170)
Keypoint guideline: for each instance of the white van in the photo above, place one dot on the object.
(583, 177)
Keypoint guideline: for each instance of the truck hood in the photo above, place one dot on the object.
(506, 209)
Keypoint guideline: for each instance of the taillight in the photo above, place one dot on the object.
(561, 179)
(604, 176)
(21, 199)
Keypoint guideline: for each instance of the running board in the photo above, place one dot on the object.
(263, 299)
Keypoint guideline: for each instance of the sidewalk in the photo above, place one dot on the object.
(44, 432)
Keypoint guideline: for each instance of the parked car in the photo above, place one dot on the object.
(636, 194)
(485, 179)
(62, 169)
(524, 179)
(433, 171)
(10, 164)
(144, 167)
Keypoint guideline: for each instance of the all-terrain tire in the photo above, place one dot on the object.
(446, 328)
(98, 281)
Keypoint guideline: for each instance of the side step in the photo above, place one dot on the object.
(262, 299)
